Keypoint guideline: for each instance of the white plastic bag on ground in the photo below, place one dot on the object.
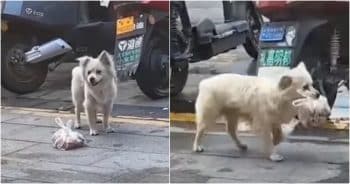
(65, 138)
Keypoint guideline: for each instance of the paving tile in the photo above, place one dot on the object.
(21, 102)
(45, 152)
(5, 115)
(9, 146)
(55, 172)
(135, 160)
(30, 119)
(29, 133)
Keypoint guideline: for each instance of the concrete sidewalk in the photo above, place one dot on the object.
(135, 153)
(306, 160)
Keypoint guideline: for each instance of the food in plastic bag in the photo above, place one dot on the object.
(314, 112)
(65, 138)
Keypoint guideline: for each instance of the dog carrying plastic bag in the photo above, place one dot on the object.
(65, 138)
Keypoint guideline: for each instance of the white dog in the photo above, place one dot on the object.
(94, 88)
(312, 112)
(265, 104)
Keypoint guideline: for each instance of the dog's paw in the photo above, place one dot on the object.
(93, 132)
(243, 147)
(198, 149)
(276, 157)
(109, 130)
(77, 126)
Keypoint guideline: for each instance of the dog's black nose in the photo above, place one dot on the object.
(92, 80)
(317, 94)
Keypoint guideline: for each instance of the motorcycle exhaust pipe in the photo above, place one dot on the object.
(47, 51)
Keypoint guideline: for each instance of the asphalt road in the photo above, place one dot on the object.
(311, 159)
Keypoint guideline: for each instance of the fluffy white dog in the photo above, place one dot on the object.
(265, 104)
(94, 88)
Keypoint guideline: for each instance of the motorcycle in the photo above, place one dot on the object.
(314, 32)
(38, 36)
(196, 37)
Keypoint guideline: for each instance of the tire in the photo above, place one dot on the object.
(20, 77)
(152, 74)
(252, 41)
(178, 78)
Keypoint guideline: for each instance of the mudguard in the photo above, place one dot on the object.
(303, 30)
(51, 13)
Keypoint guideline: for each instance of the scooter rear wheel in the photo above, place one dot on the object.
(16, 75)
(152, 74)
(254, 20)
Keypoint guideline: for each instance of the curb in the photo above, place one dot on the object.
(68, 114)
(334, 124)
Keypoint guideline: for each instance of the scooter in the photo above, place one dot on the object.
(196, 36)
(38, 36)
(314, 32)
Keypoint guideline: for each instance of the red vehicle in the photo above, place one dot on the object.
(316, 32)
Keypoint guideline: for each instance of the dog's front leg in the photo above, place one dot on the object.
(107, 109)
(90, 110)
(78, 110)
(269, 147)
(277, 134)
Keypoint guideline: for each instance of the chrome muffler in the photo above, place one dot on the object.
(47, 50)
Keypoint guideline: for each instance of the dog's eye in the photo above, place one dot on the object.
(306, 87)
(98, 71)
(89, 72)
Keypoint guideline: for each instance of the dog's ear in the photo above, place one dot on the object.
(285, 82)
(301, 65)
(84, 60)
(105, 58)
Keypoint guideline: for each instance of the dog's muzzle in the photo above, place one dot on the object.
(317, 94)
(93, 82)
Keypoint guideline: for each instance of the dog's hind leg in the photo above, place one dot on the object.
(201, 126)
(231, 128)
(206, 113)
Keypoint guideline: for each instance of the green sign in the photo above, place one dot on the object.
(275, 57)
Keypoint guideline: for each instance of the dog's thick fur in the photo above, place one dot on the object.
(265, 104)
(94, 88)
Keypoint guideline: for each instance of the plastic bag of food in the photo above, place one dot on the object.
(314, 112)
(65, 138)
